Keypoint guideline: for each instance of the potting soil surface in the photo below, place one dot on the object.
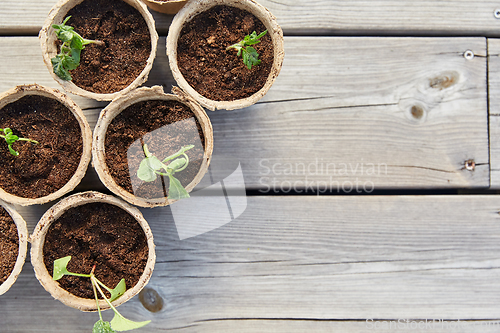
(213, 71)
(111, 67)
(43, 168)
(165, 126)
(9, 245)
(98, 234)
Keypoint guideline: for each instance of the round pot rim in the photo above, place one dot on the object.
(22, 233)
(20, 91)
(37, 240)
(195, 7)
(165, 2)
(166, 7)
(115, 108)
(47, 38)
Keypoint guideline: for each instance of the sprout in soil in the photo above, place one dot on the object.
(118, 323)
(250, 55)
(11, 138)
(69, 56)
(150, 166)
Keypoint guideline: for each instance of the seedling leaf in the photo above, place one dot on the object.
(102, 327)
(177, 164)
(250, 57)
(58, 67)
(118, 291)
(69, 56)
(148, 167)
(248, 53)
(175, 190)
(120, 323)
(76, 43)
(12, 151)
(60, 268)
(11, 138)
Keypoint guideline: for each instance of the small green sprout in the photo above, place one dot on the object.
(69, 56)
(250, 55)
(118, 323)
(11, 138)
(150, 166)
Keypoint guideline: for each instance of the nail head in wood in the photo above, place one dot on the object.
(469, 55)
(470, 165)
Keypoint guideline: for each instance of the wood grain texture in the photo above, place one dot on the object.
(294, 264)
(345, 113)
(346, 17)
(352, 106)
(26, 17)
(494, 109)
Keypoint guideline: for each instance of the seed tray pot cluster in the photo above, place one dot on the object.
(51, 143)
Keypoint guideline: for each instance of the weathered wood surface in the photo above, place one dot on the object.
(494, 109)
(296, 264)
(346, 17)
(345, 112)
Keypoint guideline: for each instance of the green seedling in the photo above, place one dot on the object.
(250, 55)
(69, 56)
(118, 323)
(10, 138)
(150, 167)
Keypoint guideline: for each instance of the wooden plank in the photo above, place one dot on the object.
(494, 109)
(304, 263)
(27, 17)
(345, 104)
(338, 17)
(21, 62)
(339, 117)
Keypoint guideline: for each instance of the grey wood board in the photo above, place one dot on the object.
(494, 109)
(346, 17)
(295, 263)
(346, 104)
(345, 113)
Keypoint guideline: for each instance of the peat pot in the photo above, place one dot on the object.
(12, 237)
(56, 161)
(94, 229)
(201, 64)
(123, 56)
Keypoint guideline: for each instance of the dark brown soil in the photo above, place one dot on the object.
(9, 245)
(98, 234)
(40, 169)
(112, 67)
(124, 150)
(212, 71)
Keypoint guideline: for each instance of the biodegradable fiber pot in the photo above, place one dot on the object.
(49, 45)
(19, 92)
(195, 7)
(22, 233)
(37, 250)
(165, 6)
(138, 96)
